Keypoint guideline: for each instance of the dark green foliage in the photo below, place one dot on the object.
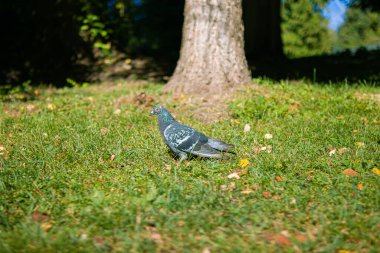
(51, 40)
(373, 5)
(39, 39)
(360, 29)
(304, 29)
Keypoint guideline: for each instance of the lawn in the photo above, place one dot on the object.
(84, 169)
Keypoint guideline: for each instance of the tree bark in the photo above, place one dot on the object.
(212, 55)
(262, 33)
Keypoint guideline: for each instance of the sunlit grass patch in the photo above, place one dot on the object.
(85, 169)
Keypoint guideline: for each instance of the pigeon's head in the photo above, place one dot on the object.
(157, 110)
(163, 115)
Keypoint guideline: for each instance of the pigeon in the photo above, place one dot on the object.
(184, 140)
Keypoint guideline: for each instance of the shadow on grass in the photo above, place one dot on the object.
(362, 67)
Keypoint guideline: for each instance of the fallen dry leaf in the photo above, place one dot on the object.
(360, 187)
(341, 151)
(345, 251)
(206, 250)
(46, 226)
(99, 240)
(257, 149)
(117, 112)
(280, 239)
(234, 175)
(230, 187)
(2, 150)
(268, 136)
(279, 179)
(51, 107)
(293, 201)
(267, 194)
(376, 171)
(30, 107)
(285, 233)
(247, 128)
(154, 235)
(112, 157)
(104, 130)
(301, 238)
(238, 173)
(83, 236)
(243, 163)
(247, 191)
(187, 164)
(332, 152)
(350, 172)
(40, 217)
(144, 99)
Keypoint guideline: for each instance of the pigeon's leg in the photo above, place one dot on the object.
(182, 156)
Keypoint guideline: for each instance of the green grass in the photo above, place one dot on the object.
(60, 191)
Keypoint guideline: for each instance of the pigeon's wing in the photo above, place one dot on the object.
(220, 145)
(175, 134)
(191, 141)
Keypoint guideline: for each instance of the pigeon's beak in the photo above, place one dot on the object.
(152, 113)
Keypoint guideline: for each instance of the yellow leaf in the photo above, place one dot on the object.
(243, 163)
(345, 251)
(376, 171)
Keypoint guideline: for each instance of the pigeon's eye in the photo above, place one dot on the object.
(157, 110)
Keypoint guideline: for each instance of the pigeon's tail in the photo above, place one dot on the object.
(207, 151)
(220, 145)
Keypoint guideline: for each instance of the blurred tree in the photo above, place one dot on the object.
(373, 5)
(304, 29)
(212, 55)
(361, 28)
(262, 30)
(40, 40)
(157, 28)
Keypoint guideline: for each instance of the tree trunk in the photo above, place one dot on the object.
(262, 31)
(212, 55)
